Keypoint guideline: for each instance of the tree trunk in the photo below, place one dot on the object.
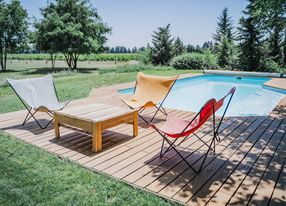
(68, 60)
(71, 60)
(53, 59)
(4, 61)
(1, 60)
(75, 61)
(284, 49)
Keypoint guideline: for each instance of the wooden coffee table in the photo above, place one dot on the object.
(95, 118)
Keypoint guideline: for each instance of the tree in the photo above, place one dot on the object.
(162, 51)
(44, 38)
(224, 28)
(134, 50)
(250, 37)
(73, 27)
(190, 48)
(178, 47)
(270, 16)
(13, 29)
(284, 49)
(207, 45)
(224, 40)
(275, 45)
(198, 49)
(227, 54)
(273, 21)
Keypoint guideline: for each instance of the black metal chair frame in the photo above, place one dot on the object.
(159, 108)
(31, 112)
(211, 146)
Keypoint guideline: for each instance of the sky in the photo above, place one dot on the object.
(133, 21)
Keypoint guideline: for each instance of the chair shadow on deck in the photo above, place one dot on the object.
(144, 125)
(32, 127)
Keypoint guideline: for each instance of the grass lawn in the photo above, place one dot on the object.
(73, 84)
(30, 176)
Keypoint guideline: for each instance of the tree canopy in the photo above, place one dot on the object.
(13, 29)
(162, 50)
(224, 41)
(224, 27)
(72, 27)
(178, 47)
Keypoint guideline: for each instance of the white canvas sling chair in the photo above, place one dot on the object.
(37, 95)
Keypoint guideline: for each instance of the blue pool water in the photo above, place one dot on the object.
(250, 99)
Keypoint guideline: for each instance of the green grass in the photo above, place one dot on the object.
(76, 84)
(30, 176)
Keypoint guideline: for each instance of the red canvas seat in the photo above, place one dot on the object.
(176, 127)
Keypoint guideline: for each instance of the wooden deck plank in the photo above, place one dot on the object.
(245, 159)
(180, 169)
(278, 196)
(270, 178)
(242, 131)
(157, 165)
(157, 177)
(230, 149)
(249, 185)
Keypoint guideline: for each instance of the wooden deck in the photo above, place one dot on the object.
(248, 167)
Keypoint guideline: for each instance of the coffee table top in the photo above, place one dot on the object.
(95, 112)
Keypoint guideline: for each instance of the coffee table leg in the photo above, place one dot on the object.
(96, 137)
(135, 123)
(56, 126)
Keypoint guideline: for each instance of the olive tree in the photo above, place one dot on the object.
(72, 27)
(13, 29)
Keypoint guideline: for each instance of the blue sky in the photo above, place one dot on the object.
(133, 21)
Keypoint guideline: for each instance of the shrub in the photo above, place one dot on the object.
(195, 61)
(268, 65)
(144, 57)
(133, 68)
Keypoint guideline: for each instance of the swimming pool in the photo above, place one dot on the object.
(252, 98)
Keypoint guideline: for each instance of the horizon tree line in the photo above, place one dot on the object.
(74, 27)
(257, 44)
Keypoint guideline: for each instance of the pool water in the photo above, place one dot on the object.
(250, 99)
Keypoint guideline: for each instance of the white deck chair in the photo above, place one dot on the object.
(37, 95)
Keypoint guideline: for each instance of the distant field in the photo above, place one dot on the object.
(31, 64)
(87, 57)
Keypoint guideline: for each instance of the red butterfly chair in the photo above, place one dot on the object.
(176, 127)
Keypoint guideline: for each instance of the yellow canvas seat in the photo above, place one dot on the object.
(150, 91)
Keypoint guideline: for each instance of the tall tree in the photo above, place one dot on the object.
(224, 41)
(250, 37)
(13, 29)
(162, 50)
(74, 27)
(224, 27)
(190, 48)
(284, 49)
(275, 44)
(178, 47)
(44, 38)
(272, 15)
(227, 54)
